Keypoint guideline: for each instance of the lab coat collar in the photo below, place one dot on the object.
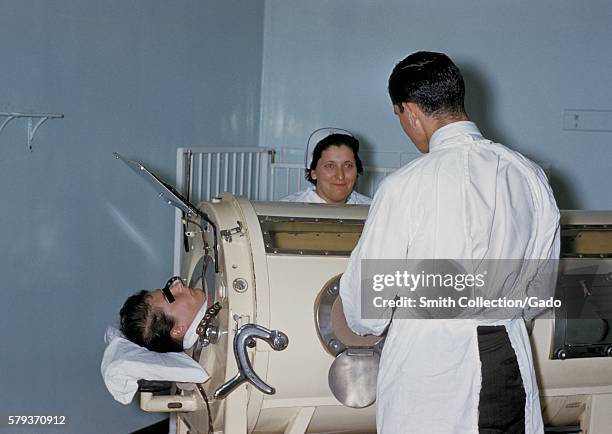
(443, 135)
(314, 196)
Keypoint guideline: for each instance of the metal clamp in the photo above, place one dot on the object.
(227, 233)
(245, 337)
(211, 333)
(209, 330)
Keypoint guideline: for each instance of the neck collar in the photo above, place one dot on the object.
(444, 134)
(191, 336)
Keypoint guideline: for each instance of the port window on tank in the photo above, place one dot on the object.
(310, 236)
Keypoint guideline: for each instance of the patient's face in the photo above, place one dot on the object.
(183, 310)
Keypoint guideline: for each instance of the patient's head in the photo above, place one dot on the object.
(158, 320)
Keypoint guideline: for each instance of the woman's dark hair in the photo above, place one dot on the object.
(334, 140)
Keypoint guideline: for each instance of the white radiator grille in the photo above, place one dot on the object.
(203, 173)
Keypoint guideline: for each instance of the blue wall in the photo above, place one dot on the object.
(79, 231)
(327, 63)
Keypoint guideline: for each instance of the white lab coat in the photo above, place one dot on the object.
(467, 198)
(310, 195)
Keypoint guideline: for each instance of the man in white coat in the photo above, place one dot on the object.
(465, 198)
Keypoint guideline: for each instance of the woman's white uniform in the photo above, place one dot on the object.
(467, 198)
(310, 195)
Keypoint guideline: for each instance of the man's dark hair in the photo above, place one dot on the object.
(334, 140)
(430, 80)
(147, 327)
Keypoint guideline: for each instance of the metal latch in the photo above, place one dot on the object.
(227, 233)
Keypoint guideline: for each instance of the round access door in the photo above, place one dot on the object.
(352, 375)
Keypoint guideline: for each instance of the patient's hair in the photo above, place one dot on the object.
(147, 327)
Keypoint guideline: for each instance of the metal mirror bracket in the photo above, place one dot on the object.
(172, 197)
(245, 337)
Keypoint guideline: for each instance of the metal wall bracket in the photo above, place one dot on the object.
(33, 125)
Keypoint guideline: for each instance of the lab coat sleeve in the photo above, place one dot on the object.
(544, 283)
(385, 236)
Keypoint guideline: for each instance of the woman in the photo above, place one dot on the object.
(332, 166)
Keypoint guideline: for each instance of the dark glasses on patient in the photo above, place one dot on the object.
(166, 289)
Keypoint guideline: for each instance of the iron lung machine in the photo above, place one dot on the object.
(278, 267)
(282, 360)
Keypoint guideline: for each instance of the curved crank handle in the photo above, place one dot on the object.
(246, 336)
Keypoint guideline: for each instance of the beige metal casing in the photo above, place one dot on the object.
(574, 391)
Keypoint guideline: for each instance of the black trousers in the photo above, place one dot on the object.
(502, 395)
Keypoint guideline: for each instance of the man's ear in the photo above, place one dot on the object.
(177, 332)
(413, 112)
(313, 174)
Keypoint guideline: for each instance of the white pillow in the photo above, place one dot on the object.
(124, 363)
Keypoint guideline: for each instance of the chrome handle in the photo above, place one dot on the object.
(245, 337)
